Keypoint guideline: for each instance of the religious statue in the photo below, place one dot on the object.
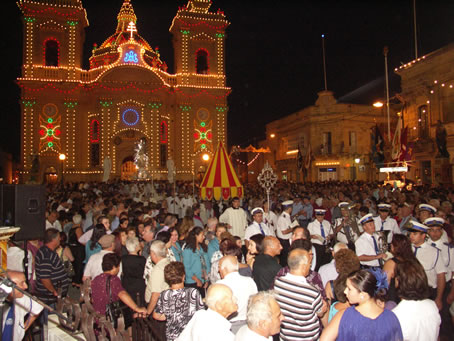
(441, 137)
(141, 159)
(107, 169)
(170, 170)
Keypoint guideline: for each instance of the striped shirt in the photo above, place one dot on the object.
(49, 266)
(299, 302)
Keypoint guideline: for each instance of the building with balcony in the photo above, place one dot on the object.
(95, 117)
(428, 92)
(338, 135)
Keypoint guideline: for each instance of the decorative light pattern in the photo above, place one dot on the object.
(130, 117)
(50, 129)
(94, 131)
(203, 133)
(163, 133)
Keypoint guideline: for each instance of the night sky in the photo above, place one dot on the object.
(274, 55)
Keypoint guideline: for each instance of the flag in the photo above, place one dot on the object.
(404, 145)
(299, 159)
(307, 162)
(377, 144)
(397, 141)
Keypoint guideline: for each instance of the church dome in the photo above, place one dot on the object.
(107, 53)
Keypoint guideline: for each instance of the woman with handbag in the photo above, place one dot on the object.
(109, 292)
(195, 260)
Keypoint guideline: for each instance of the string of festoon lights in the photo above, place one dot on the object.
(241, 162)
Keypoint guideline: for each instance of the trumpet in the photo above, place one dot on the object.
(383, 245)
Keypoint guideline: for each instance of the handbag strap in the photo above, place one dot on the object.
(108, 289)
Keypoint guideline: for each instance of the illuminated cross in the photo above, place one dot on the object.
(132, 28)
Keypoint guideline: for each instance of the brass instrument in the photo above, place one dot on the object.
(383, 245)
(352, 219)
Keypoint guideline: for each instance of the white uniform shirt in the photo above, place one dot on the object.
(270, 219)
(246, 334)
(419, 320)
(207, 325)
(432, 262)
(236, 218)
(390, 224)
(254, 228)
(328, 272)
(283, 223)
(22, 306)
(242, 287)
(341, 235)
(315, 230)
(447, 253)
(365, 247)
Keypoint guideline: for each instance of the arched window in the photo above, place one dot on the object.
(51, 52)
(202, 61)
(94, 142)
(423, 121)
(163, 138)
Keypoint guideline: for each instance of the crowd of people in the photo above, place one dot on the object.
(328, 261)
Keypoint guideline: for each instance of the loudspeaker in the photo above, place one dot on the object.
(24, 206)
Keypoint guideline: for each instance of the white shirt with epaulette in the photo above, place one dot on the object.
(432, 262)
(364, 246)
(447, 254)
(283, 223)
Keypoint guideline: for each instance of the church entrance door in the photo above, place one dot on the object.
(128, 168)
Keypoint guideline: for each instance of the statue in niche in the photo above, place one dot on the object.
(441, 136)
(107, 169)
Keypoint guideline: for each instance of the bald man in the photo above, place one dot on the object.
(14, 324)
(266, 265)
(212, 323)
(242, 288)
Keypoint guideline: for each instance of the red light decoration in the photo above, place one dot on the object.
(27, 9)
(94, 131)
(164, 132)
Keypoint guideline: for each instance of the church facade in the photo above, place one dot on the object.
(96, 117)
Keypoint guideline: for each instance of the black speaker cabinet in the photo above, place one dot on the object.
(23, 206)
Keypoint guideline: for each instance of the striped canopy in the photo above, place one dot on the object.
(220, 179)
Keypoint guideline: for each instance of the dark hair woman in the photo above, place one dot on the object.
(418, 315)
(367, 319)
(195, 260)
(401, 250)
(92, 245)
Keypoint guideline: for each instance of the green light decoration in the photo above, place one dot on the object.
(185, 107)
(50, 132)
(185, 32)
(203, 135)
(202, 124)
(49, 120)
(50, 144)
(29, 19)
(28, 103)
(220, 35)
(154, 105)
(106, 103)
(221, 109)
(204, 146)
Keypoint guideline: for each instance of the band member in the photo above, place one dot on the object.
(383, 222)
(284, 229)
(321, 235)
(366, 246)
(346, 227)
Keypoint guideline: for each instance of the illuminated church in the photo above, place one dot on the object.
(96, 117)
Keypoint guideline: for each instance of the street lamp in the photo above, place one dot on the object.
(378, 104)
(272, 136)
(62, 158)
(205, 157)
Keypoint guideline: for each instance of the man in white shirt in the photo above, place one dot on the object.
(367, 244)
(328, 271)
(257, 226)
(269, 218)
(344, 228)
(212, 324)
(235, 218)
(264, 318)
(185, 203)
(173, 204)
(321, 234)
(94, 264)
(241, 286)
(385, 223)
(20, 306)
(52, 222)
(435, 232)
(284, 229)
(431, 260)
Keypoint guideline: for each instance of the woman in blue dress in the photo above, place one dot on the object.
(367, 319)
(195, 260)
